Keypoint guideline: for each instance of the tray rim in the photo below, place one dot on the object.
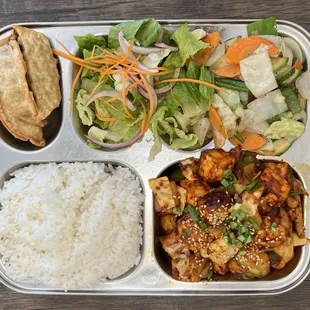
(136, 293)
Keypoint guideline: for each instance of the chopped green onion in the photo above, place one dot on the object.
(244, 277)
(186, 234)
(255, 188)
(239, 245)
(253, 223)
(251, 185)
(215, 219)
(210, 274)
(242, 252)
(241, 238)
(241, 215)
(274, 224)
(193, 212)
(226, 173)
(294, 193)
(176, 175)
(225, 183)
(237, 206)
(178, 209)
(239, 137)
(233, 225)
(234, 213)
(202, 224)
(249, 159)
(248, 240)
(244, 230)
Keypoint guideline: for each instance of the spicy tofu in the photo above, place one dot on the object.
(213, 163)
(214, 207)
(276, 188)
(220, 269)
(282, 169)
(191, 233)
(167, 223)
(219, 251)
(282, 254)
(189, 168)
(173, 245)
(252, 264)
(190, 269)
(169, 197)
(272, 234)
(195, 190)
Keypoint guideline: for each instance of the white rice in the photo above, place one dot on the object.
(70, 225)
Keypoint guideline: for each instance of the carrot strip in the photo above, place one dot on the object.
(73, 87)
(124, 96)
(213, 39)
(229, 71)
(191, 81)
(151, 99)
(64, 47)
(252, 141)
(246, 46)
(106, 119)
(216, 122)
(113, 108)
(96, 87)
(298, 65)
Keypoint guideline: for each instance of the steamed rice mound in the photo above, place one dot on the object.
(70, 225)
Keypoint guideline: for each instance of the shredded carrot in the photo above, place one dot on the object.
(190, 81)
(124, 96)
(106, 119)
(113, 108)
(96, 87)
(127, 89)
(151, 110)
(64, 47)
(73, 87)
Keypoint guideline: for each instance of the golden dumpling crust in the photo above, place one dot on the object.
(42, 72)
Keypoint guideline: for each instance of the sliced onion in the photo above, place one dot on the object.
(166, 88)
(276, 40)
(171, 48)
(303, 85)
(287, 52)
(217, 54)
(110, 93)
(294, 46)
(137, 136)
(145, 94)
(124, 44)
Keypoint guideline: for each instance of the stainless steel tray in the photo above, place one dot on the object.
(66, 143)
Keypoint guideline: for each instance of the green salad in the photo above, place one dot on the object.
(190, 87)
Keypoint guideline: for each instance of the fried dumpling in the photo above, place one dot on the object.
(16, 100)
(42, 73)
(22, 130)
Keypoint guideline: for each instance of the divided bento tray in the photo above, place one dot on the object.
(65, 143)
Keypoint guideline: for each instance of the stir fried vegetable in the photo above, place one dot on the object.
(243, 215)
(189, 87)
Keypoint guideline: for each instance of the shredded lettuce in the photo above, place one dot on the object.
(228, 118)
(258, 75)
(88, 41)
(188, 45)
(144, 31)
(287, 127)
(86, 114)
(268, 106)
